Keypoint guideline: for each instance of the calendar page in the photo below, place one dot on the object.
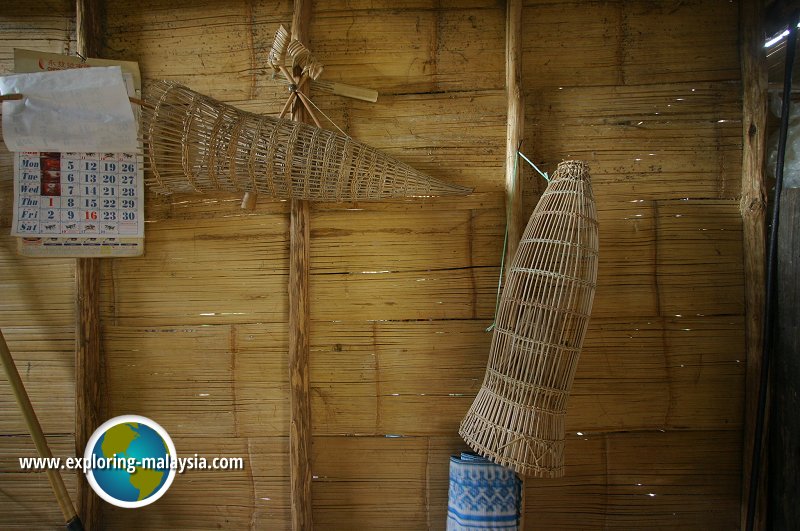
(78, 204)
(71, 194)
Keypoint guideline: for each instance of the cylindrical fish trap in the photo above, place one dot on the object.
(517, 418)
(197, 144)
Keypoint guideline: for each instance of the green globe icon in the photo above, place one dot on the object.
(130, 459)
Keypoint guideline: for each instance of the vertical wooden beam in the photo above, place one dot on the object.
(784, 511)
(515, 126)
(88, 368)
(300, 427)
(753, 209)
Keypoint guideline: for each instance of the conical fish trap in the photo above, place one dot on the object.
(517, 418)
(197, 144)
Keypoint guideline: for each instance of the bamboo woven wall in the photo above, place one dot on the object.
(195, 331)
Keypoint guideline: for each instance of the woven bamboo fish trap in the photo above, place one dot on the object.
(197, 144)
(517, 418)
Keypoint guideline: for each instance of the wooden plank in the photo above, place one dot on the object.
(418, 48)
(362, 241)
(431, 294)
(216, 49)
(699, 258)
(691, 41)
(459, 138)
(687, 480)
(260, 379)
(587, 40)
(344, 378)
(643, 479)
(784, 486)
(626, 273)
(213, 499)
(187, 371)
(171, 284)
(355, 476)
(379, 378)
(635, 140)
(753, 208)
(35, 292)
(579, 499)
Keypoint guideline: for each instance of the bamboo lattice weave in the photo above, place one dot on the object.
(197, 144)
(517, 418)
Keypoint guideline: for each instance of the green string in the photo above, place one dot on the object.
(505, 239)
(543, 174)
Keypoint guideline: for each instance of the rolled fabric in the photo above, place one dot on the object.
(482, 495)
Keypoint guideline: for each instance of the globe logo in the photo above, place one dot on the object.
(130, 459)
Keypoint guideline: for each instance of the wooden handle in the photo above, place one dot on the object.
(14, 97)
(348, 91)
(25, 406)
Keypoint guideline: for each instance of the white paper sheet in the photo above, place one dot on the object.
(76, 110)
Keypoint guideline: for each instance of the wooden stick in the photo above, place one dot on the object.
(515, 125)
(300, 427)
(39, 440)
(753, 209)
(88, 373)
(514, 131)
(309, 111)
(14, 97)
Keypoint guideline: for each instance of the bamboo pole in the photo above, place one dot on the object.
(88, 373)
(514, 126)
(753, 209)
(71, 518)
(300, 423)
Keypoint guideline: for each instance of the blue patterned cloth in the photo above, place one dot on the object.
(482, 495)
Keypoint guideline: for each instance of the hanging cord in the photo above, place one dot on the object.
(505, 239)
(769, 310)
(327, 117)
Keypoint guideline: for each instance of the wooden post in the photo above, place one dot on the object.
(753, 209)
(88, 370)
(300, 427)
(514, 127)
(514, 130)
(785, 447)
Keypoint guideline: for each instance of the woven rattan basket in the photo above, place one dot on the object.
(517, 418)
(197, 144)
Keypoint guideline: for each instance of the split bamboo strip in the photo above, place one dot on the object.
(197, 144)
(517, 418)
(88, 372)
